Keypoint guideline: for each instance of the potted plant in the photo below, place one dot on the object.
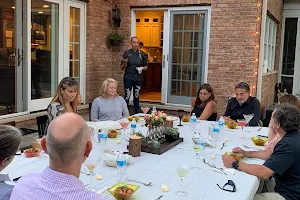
(115, 39)
(171, 134)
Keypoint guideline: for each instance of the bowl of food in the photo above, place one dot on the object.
(113, 133)
(32, 152)
(130, 118)
(185, 118)
(231, 124)
(236, 156)
(123, 191)
(259, 141)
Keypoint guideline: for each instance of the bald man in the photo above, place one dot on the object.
(68, 144)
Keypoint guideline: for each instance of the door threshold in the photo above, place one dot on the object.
(150, 101)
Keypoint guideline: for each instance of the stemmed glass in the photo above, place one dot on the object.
(180, 115)
(242, 123)
(182, 170)
(124, 123)
(248, 118)
(91, 163)
(197, 148)
(145, 110)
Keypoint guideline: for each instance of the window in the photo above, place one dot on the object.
(269, 44)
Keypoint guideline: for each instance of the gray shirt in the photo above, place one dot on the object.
(5, 189)
(109, 109)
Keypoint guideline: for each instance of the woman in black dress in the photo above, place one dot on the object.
(205, 107)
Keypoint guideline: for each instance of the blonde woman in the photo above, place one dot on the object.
(65, 99)
(109, 105)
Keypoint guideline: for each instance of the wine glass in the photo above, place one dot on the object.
(145, 110)
(242, 123)
(180, 115)
(91, 163)
(248, 118)
(37, 144)
(182, 170)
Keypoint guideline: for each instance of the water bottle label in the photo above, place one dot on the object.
(133, 125)
(121, 163)
(221, 123)
(216, 130)
(193, 120)
(102, 136)
(201, 143)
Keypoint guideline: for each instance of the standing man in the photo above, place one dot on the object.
(242, 104)
(134, 62)
(68, 144)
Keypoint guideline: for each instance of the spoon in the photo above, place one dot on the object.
(145, 184)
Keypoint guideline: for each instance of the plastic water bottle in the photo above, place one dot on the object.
(216, 131)
(193, 121)
(221, 122)
(102, 138)
(153, 110)
(121, 167)
(133, 126)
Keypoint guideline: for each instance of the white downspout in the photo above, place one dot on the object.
(261, 49)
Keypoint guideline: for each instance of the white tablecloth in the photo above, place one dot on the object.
(200, 184)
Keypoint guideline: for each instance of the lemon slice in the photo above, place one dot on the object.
(118, 142)
(99, 177)
(212, 157)
(164, 188)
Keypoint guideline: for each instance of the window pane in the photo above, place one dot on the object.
(44, 55)
(289, 49)
(75, 43)
(287, 83)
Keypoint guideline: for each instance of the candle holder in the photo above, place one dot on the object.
(135, 146)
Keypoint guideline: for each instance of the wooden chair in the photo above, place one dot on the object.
(42, 122)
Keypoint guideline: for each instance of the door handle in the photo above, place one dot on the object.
(163, 63)
(20, 57)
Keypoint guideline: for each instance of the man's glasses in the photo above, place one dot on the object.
(230, 184)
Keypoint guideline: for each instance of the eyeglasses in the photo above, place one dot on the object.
(230, 183)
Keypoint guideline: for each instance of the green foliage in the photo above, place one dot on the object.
(115, 36)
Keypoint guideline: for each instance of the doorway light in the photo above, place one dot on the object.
(40, 12)
(45, 6)
(13, 7)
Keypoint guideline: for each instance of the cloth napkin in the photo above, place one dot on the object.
(108, 125)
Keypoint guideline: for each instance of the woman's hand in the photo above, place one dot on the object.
(125, 60)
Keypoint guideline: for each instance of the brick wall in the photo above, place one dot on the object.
(232, 48)
(268, 82)
(268, 88)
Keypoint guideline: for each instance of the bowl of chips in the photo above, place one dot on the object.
(123, 191)
(259, 141)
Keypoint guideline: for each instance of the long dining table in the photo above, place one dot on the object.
(200, 183)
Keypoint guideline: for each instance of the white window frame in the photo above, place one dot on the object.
(269, 44)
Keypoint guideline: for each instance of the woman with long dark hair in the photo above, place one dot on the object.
(205, 107)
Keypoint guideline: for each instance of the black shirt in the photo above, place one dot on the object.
(285, 162)
(235, 111)
(198, 111)
(135, 59)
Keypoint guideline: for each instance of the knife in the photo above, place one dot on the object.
(159, 197)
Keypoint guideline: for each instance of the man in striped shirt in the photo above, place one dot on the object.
(68, 144)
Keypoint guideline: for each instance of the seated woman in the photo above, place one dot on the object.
(109, 105)
(10, 139)
(65, 99)
(205, 107)
(273, 137)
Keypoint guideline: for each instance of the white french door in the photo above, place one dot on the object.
(290, 57)
(57, 48)
(165, 58)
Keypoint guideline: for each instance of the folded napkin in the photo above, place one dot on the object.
(207, 138)
(108, 125)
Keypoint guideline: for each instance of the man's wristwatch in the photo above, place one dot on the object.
(235, 164)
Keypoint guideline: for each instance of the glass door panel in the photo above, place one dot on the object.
(187, 49)
(44, 49)
(289, 54)
(11, 57)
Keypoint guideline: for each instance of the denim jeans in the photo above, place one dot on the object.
(136, 85)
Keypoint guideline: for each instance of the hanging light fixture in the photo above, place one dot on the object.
(116, 16)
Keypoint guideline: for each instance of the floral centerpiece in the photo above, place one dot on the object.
(155, 119)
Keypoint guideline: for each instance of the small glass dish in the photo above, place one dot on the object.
(123, 191)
